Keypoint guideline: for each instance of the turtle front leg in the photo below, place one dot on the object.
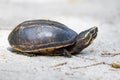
(66, 53)
(62, 52)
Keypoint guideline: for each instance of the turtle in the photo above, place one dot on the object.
(49, 37)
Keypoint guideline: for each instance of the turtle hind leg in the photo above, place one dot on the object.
(27, 54)
(66, 53)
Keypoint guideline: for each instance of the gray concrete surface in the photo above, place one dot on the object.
(78, 15)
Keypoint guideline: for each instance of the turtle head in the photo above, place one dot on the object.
(85, 38)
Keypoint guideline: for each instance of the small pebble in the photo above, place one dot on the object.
(115, 65)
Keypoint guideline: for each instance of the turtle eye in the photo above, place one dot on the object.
(92, 31)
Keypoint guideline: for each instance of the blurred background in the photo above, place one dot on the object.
(82, 12)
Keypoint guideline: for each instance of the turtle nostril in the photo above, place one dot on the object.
(96, 29)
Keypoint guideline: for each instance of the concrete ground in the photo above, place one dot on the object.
(93, 63)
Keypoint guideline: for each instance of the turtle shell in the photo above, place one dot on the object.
(38, 35)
